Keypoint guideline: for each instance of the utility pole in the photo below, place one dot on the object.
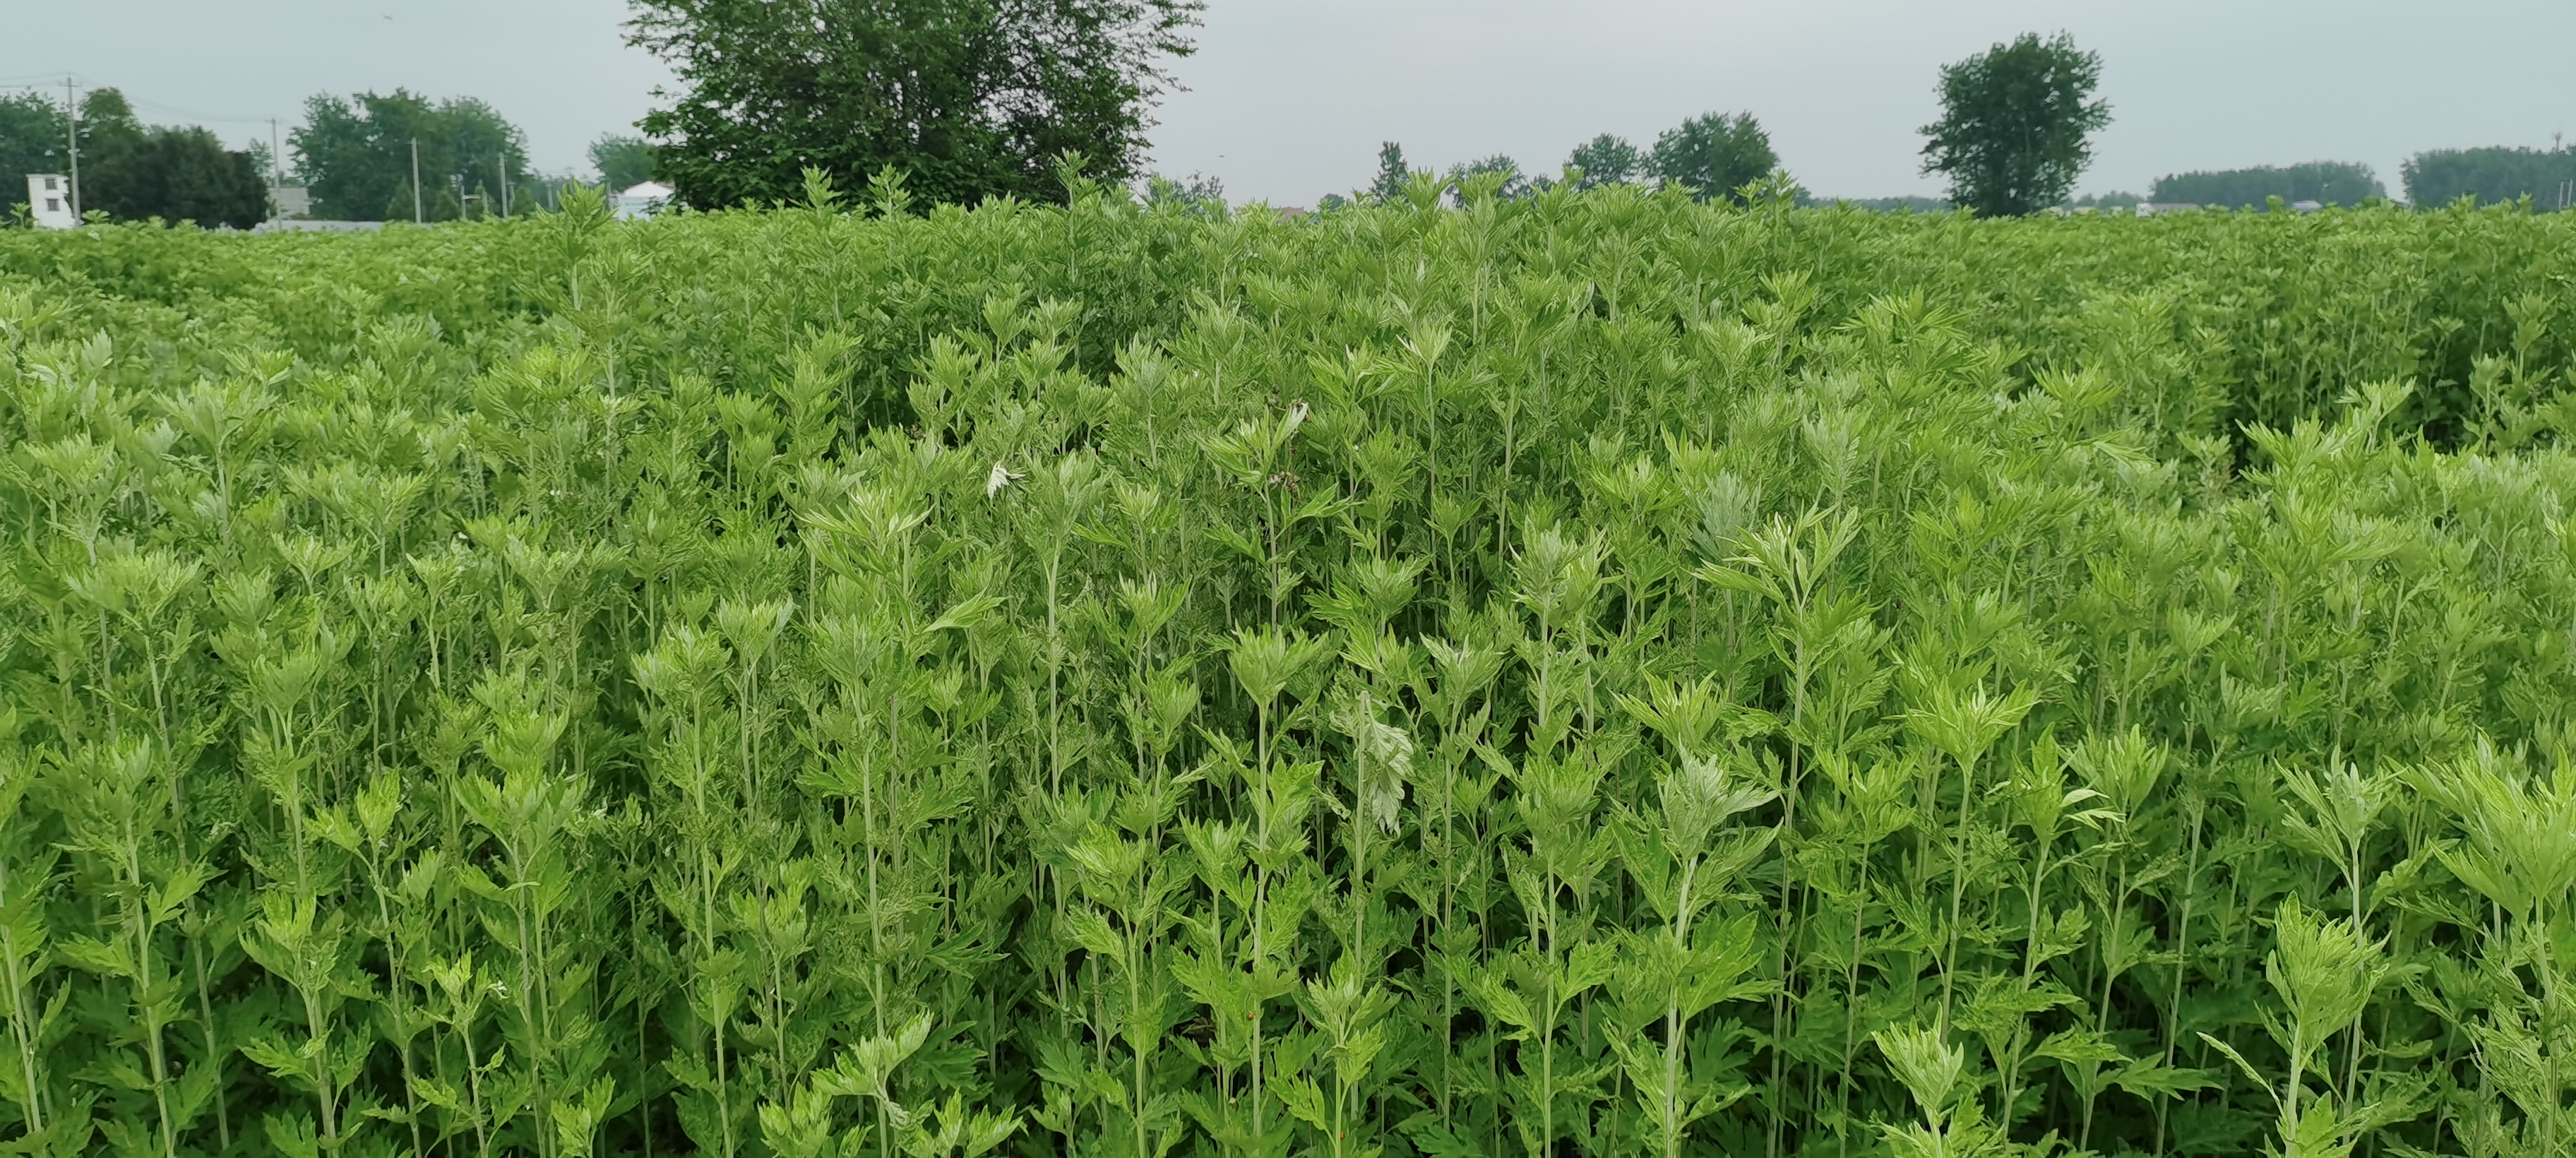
(501, 161)
(416, 217)
(71, 133)
(276, 159)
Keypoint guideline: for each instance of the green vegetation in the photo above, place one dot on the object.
(2324, 182)
(357, 156)
(32, 139)
(129, 170)
(1714, 156)
(136, 172)
(2016, 124)
(969, 100)
(1608, 159)
(1598, 673)
(2493, 176)
(623, 161)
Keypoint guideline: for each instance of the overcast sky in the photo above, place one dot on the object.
(1288, 99)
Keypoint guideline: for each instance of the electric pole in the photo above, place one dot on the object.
(416, 217)
(276, 159)
(71, 133)
(501, 161)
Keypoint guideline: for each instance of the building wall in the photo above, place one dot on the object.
(49, 200)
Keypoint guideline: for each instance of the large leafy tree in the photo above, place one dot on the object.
(355, 153)
(1608, 159)
(1714, 155)
(1514, 182)
(623, 160)
(131, 170)
(2016, 124)
(31, 140)
(970, 98)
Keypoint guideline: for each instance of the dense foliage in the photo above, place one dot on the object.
(2495, 175)
(973, 100)
(623, 161)
(2324, 182)
(1597, 673)
(32, 139)
(1608, 159)
(356, 154)
(1714, 155)
(1711, 156)
(137, 172)
(131, 171)
(2016, 124)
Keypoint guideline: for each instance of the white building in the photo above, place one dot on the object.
(291, 200)
(49, 200)
(639, 202)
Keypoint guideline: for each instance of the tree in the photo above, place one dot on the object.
(623, 161)
(2328, 182)
(2492, 175)
(31, 140)
(1392, 172)
(355, 153)
(970, 98)
(2016, 122)
(1200, 195)
(136, 172)
(1713, 155)
(174, 173)
(1608, 159)
(1514, 183)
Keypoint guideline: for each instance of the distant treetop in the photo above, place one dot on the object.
(2324, 182)
(2492, 175)
(969, 100)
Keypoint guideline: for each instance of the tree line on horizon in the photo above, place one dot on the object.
(131, 170)
(1010, 102)
(354, 154)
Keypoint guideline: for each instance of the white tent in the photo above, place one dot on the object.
(639, 202)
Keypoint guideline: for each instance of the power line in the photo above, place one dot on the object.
(39, 81)
(174, 110)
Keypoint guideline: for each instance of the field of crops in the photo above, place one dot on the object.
(1595, 674)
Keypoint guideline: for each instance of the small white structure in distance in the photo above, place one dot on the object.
(640, 202)
(291, 200)
(49, 201)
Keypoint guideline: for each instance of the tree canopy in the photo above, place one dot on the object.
(623, 160)
(355, 153)
(1392, 172)
(1514, 183)
(131, 170)
(176, 173)
(2327, 182)
(2016, 124)
(31, 139)
(970, 98)
(1608, 159)
(1713, 155)
(2492, 175)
